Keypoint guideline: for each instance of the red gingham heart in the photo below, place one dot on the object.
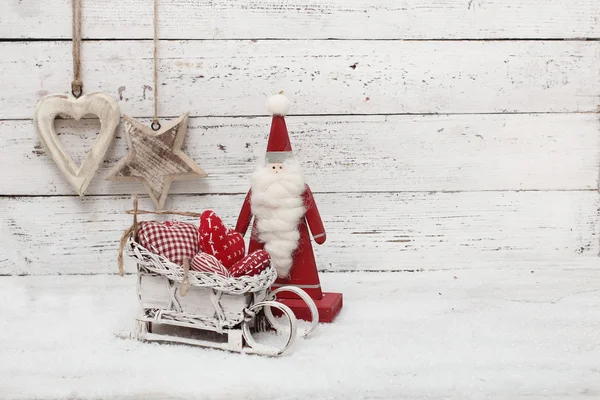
(173, 240)
(217, 240)
(252, 264)
(203, 262)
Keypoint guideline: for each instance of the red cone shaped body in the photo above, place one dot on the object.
(304, 273)
(305, 276)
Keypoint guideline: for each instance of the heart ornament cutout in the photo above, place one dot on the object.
(102, 106)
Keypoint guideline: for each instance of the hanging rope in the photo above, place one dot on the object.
(155, 124)
(76, 84)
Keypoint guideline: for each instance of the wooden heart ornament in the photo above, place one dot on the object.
(99, 104)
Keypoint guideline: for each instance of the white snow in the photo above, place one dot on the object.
(485, 334)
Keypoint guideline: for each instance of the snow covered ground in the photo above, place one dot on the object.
(460, 334)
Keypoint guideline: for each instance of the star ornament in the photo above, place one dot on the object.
(155, 158)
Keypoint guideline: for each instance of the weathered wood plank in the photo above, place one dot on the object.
(321, 77)
(377, 231)
(345, 154)
(307, 19)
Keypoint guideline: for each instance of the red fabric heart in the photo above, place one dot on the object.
(217, 240)
(252, 264)
(173, 240)
(203, 262)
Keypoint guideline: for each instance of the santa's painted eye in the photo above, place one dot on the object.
(273, 167)
(280, 167)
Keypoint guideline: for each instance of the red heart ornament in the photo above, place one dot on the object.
(252, 264)
(217, 240)
(173, 240)
(203, 262)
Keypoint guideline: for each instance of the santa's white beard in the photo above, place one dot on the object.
(278, 206)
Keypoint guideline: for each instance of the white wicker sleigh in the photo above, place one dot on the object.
(219, 312)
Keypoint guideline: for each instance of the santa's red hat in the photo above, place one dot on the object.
(279, 147)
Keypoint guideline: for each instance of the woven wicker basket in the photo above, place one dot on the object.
(214, 301)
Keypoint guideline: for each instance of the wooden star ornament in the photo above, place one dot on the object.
(155, 158)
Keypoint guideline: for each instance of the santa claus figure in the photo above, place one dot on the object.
(284, 212)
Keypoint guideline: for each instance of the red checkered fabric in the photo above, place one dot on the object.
(252, 264)
(173, 240)
(204, 262)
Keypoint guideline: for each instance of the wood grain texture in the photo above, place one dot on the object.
(308, 19)
(224, 78)
(375, 231)
(155, 158)
(346, 153)
(397, 191)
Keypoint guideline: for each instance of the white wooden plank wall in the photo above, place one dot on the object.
(339, 19)
(233, 77)
(442, 134)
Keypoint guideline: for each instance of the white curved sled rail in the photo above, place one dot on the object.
(314, 312)
(270, 350)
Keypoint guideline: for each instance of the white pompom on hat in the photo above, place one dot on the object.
(278, 104)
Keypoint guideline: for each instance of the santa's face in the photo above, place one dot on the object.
(275, 167)
(288, 174)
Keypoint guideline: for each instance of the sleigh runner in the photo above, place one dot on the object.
(213, 310)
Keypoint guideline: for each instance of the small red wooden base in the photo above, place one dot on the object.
(329, 307)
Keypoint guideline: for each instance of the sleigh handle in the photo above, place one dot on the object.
(314, 312)
(270, 350)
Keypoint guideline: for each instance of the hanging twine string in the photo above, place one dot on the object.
(76, 84)
(165, 212)
(155, 124)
